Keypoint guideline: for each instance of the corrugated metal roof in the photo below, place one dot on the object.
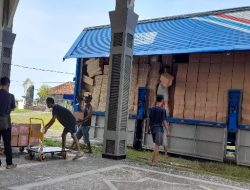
(206, 32)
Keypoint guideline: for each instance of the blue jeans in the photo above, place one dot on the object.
(83, 131)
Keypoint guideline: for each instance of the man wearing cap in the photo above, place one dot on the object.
(85, 124)
(66, 118)
(7, 104)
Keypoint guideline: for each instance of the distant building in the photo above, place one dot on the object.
(61, 91)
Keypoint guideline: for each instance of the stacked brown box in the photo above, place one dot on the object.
(212, 90)
(143, 71)
(246, 94)
(201, 91)
(106, 69)
(194, 58)
(238, 69)
(191, 84)
(225, 84)
(93, 67)
(97, 91)
(103, 94)
(179, 95)
(153, 80)
(133, 83)
(144, 59)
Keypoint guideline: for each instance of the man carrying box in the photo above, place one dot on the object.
(68, 121)
(7, 104)
(85, 123)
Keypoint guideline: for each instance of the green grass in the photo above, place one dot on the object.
(44, 116)
(53, 143)
(21, 111)
(225, 170)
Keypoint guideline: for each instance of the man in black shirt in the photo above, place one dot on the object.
(66, 118)
(157, 119)
(7, 104)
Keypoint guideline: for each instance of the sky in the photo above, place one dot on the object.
(46, 29)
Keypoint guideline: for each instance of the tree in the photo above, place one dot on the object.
(43, 92)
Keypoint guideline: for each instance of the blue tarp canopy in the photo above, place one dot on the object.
(217, 31)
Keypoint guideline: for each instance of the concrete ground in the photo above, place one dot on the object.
(93, 172)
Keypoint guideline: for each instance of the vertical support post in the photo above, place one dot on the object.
(78, 85)
(123, 23)
(7, 38)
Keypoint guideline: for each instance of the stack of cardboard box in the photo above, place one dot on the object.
(212, 90)
(133, 84)
(93, 67)
(153, 79)
(14, 135)
(179, 96)
(96, 91)
(20, 135)
(246, 93)
(103, 94)
(142, 80)
(238, 69)
(225, 84)
(201, 91)
(190, 93)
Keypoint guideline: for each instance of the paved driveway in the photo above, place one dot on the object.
(101, 174)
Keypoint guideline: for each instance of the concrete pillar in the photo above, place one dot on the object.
(7, 38)
(123, 24)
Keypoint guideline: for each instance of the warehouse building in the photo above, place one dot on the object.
(207, 54)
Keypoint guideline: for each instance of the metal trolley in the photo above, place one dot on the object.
(41, 150)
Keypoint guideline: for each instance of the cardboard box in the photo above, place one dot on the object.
(88, 80)
(24, 129)
(193, 67)
(14, 130)
(106, 69)
(144, 59)
(136, 60)
(189, 114)
(14, 140)
(34, 141)
(191, 85)
(192, 77)
(178, 112)
(78, 115)
(204, 68)
(216, 58)
(23, 140)
(194, 57)
(221, 117)
(182, 68)
(166, 79)
(98, 80)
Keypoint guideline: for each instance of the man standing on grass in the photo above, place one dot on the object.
(157, 120)
(66, 118)
(7, 104)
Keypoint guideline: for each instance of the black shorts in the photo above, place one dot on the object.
(158, 138)
(70, 129)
